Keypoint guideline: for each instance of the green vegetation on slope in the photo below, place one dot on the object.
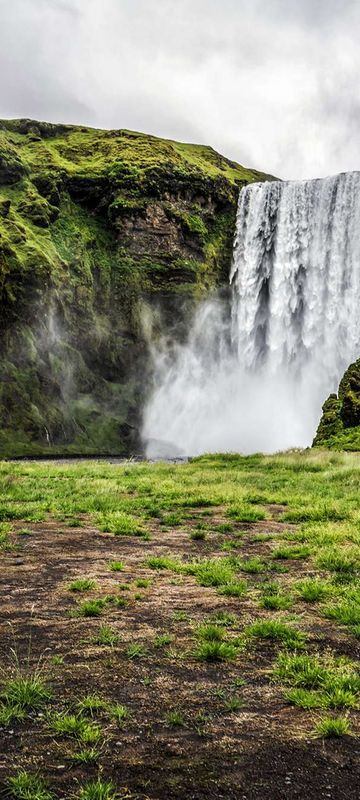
(339, 427)
(93, 224)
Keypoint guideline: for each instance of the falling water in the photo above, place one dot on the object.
(255, 379)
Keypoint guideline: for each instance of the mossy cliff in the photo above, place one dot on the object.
(93, 224)
(339, 427)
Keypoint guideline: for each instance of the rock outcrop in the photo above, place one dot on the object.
(93, 225)
(339, 426)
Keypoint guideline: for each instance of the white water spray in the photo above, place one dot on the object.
(255, 379)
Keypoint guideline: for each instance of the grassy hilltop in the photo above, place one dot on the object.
(92, 224)
(181, 630)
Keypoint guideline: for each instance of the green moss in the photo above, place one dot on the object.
(339, 427)
(92, 222)
(12, 167)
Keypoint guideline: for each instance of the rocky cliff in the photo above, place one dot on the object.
(93, 226)
(339, 426)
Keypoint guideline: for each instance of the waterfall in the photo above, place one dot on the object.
(255, 379)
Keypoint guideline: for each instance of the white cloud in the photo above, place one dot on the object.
(270, 83)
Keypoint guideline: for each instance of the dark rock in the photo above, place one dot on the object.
(349, 396)
(11, 166)
(5, 208)
(49, 187)
(330, 423)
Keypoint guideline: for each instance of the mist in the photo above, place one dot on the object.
(204, 400)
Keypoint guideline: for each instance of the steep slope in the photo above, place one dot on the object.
(93, 225)
(339, 426)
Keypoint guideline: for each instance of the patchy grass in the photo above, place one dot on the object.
(121, 524)
(245, 514)
(234, 704)
(253, 565)
(313, 590)
(282, 552)
(163, 562)
(319, 681)
(339, 561)
(248, 634)
(118, 712)
(346, 611)
(136, 651)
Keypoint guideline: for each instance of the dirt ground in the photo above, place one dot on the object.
(263, 750)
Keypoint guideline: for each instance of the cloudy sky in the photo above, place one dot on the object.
(274, 84)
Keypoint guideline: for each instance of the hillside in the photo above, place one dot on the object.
(93, 225)
(339, 427)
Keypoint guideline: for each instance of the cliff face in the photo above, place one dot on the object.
(339, 426)
(93, 224)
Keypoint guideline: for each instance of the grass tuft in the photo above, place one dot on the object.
(338, 561)
(98, 790)
(234, 704)
(88, 755)
(90, 704)
(333, 726)
(90, 608)
(118, 712)
(136, 651)
(175, 719)
(215, 651)
(198, 535)
(27, 786)
(82, 585)
(65, 724)
(26, 693)
(116, 566)
(245, 514)
(234, 589)
(121, 524)
(210, 633)
(312, 590)
(253, 566)
(106, 636)
(277, 631)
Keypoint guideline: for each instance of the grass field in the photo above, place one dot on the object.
(181, 631)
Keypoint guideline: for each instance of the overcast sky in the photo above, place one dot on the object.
(274, 84)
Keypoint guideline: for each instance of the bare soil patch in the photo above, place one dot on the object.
(261, 751)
